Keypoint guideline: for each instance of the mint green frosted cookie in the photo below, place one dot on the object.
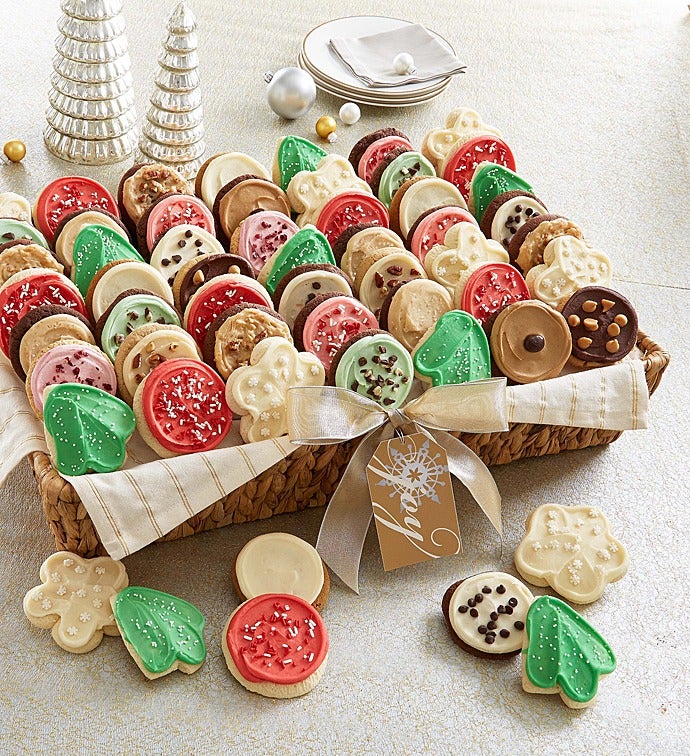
(403, 168)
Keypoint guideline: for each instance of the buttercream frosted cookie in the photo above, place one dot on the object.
(221, 169)
(530, 341)
(383, 270)
(11, 229)
(489, 180)
(260, 236)
(179, 245)
(430, 229)
(197, 272)
(486, 614)
(235, 332)
(294, 154)
(372, 148)
(20, 255)
(168, 211)
(555, 634)
(67, 231)
(180, 408)
(488, 289)
(571, 549)
(347, 209)
(170, 637)
(507, 212)
(281, 563)
(145, 348)
(303, 283)
(376, 365)
(418, 197)
(461, 125)
(413, 307)
(276, 645)
(142, 185)
(15, 206)
(258, 391)
(73, 599)
(364, 241)
(462, 163)
(527, 246)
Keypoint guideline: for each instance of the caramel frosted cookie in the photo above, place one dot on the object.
(20, 255)
(281, 563)
(374, 364)
(258, 391)
(260, 236)
(530, 342)
(243, 196)
(526, 248)
(364, 241)
(69, 227)
(168, 211)
(180, 408)
(488, 289)
(305, 282)
(179, 245)
(414, 198)
(383, 270)
(486, 614)
(276, 645)
(221, 169)
(232, 336)
(142, 185)
(461, 125)
(294, 154)
(15, 206)
(40, 328)
(413, 307)
(145, 348)
(603, 325)
(372, 148)
(508, 212)
(198, 271)
(73, 599)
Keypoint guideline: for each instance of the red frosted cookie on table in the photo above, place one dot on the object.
(180, 408)
(276, 645)
(67, 195)
(260, 235)
(169, 211)
(327, 322)
(32, 288)
(488, 289)
(460, 165)
(347, 209)
(430, 228)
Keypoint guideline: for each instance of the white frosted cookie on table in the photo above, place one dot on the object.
(223, 168)
(365, 241)
(15, 206)
(424, 195)
(179, 245)
(381, 271)
(461, 125)
(73, 599)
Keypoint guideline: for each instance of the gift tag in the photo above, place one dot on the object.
(412, 496)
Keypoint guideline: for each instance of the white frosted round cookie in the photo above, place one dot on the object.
(367, 240)
(179, 245)
(14, 206)
(301, 289)
(415, 308)
(383, 274)
(425, 195)
(513, 214)
(222, 169)
(130, 274)
(64, 244)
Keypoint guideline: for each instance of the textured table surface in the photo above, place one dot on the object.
(593, 98)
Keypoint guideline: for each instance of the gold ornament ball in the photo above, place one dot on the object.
(325, 126)
(14, 150)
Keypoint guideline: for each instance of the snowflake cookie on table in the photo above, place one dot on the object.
(74, 599)
(258, 391)
(572, 550)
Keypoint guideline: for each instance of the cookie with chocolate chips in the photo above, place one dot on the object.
(196, 272)
(507, 212)
(486, 614)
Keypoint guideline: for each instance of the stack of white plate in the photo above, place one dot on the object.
(333, 76)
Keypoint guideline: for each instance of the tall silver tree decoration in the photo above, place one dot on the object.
(173, 131)
(91, 115)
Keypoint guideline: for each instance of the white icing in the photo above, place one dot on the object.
(130, 274)
(223, 169)
(424, 195)
(169, 246)
(371, 295)
(499, 224)
(64, 244)
(297, 292)
(462, 124)
(47, 331)
(14, 206)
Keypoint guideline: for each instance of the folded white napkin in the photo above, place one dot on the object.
(371, 58)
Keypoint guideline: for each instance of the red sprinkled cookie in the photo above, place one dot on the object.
(460, 165)
(347, 209)
(489, 289)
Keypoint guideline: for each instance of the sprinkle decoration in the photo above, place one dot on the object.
(347, 209)
(491, 288)
(461, 165)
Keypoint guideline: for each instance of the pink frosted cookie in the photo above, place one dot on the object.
(430, 228)
(219, 294)
(327, 322)
(175, 210)
(260, 235)
(347, 209)
(68, 361)
(376, 152)
(488, 289)
(460, 165)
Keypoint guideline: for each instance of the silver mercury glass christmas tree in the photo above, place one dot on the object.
(91, 115)
(173, 131)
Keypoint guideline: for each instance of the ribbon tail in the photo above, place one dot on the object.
(469, 469)
(348, 516)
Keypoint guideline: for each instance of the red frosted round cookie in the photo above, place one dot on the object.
(33, 290)
(174, 211)
(220, 294)
(490, 288)
(276, 638)
(183, 403)
(347, 209)
(431, 228)
(260, 236)
(67, 195)
(376, 152)
(461, 164)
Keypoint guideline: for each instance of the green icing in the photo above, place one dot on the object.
(456, 352)
(564, 650)
(131, 313)
(89, 428)
(296, 154)
(490, 181)
(308, 245)
(11, 229)
(378, 367)
(95, 247)
(161, 628)
(402, 169)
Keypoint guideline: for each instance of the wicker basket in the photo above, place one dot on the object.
(309, 476)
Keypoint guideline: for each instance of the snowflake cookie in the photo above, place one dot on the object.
(258, 391)
(581, 555)
(74, 599)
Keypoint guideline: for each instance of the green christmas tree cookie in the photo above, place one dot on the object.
(295, 154)
(489, 181)
(95, 247)
(308, 245)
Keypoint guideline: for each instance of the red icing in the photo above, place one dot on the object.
(333, 322)
(277, 638)
(184, 406)
(491, 288)
(66, 196)
(174, 211)
(432, 229)
(261, 234)
(219, 294)
(376, 152)
(344, 210)
(484, 149)
(18, 298)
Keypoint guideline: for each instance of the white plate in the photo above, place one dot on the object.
(319, 55)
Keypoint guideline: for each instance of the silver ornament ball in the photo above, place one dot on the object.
(350, 113)
(291, 92)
